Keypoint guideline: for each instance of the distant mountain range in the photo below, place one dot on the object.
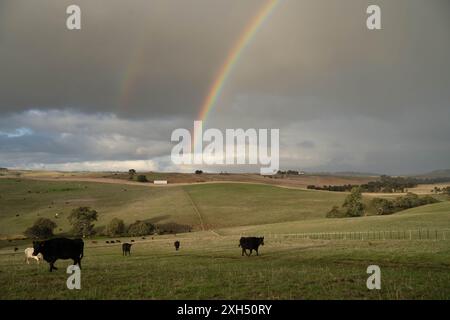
(445, 173)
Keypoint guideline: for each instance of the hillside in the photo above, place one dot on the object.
(434, 216)
(203, 206)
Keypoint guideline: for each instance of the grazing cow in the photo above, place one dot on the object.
(126, 249)
(118, 241)
(177, 245)
(112, 241)
(16, 249)
(59, 248)
(107, 242)
(132, 240)
(250, 243)
(29, 255)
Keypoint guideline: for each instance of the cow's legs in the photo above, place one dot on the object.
(52, 265)
(257, 252)
(251, 251)
(26, 260)
(77, 261)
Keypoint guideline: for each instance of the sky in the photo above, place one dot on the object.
(108, 96)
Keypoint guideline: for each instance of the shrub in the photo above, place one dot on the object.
(428, 200)
(142, 178)
(383, 206)
(335, 213)
(140, 228)
(41, 229)
(172, 227)
(116, 227)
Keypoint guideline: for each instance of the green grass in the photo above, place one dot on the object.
(224, 205)
(33, 199)
(209, 267)
(220, 205)
(433, 216)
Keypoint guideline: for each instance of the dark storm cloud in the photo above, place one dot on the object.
(142, 58)
(343, 97)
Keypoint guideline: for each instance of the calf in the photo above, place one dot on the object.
(177, 245)
(59, 248)
(250, 243)
(29, 255)
(126, 249)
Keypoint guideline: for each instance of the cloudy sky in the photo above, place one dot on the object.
(107, 97)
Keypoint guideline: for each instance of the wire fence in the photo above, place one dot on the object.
(419, 234)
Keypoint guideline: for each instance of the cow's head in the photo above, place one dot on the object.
(38, 247)
(261, 241)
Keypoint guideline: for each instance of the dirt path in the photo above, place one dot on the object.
(150, 185)
(194, 206)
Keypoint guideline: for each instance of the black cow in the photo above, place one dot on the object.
(126, 249)
(177, 245)
(250, 243)
(59, 248)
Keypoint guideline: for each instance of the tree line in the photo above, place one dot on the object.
(385, 184)
(353, 205)
(82, 220)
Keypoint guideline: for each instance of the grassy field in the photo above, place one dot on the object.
(434, 216)
(209, 267)
(209, 264)
(219, 205)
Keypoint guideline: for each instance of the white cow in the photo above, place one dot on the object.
(29, 254)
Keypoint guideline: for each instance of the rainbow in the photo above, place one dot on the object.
(234, 55)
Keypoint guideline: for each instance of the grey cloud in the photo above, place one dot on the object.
(343, 97)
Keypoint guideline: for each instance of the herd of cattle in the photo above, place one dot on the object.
(63, 248)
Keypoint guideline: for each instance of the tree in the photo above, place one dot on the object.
(131, 172)
(353, 203)
(81, 220)
(198, 171)
(411, 200)
(116, 227)
(140, 228)
(41, 229)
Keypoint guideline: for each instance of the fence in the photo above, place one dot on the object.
(419, 234)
